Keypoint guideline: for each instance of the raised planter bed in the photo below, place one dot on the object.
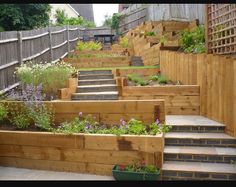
(83, 153)
(93, 62)
(179, 99)
(108, 112)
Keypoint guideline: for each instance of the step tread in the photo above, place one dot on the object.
(88, 75)
(97, 93)
(87, 80)
(199, 167)
(191, 120)
(97, 86)
(200, 150)
(190, 135)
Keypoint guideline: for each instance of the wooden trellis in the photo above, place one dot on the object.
(221, 28)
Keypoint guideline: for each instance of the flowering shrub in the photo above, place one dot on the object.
(124, 42)
(139, 167)
(46, 74)
(88, 46)
(89, 125)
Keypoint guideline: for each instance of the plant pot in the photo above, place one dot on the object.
(134, 176)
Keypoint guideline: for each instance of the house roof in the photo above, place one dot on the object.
(84, 10)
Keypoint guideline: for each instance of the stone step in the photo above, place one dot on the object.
(97, 76)
(199, 139)
(95, 96)
(95, 72)
(200, 154)
(193, 123)
(96, 82)
(97, 88)
(174, 170)
(198, 128)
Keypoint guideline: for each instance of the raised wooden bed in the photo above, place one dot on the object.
(179, 99)
(110, 111)
(94, 62)
(83, 153)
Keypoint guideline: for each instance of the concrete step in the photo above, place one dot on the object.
(193, 123)
(96, 82)
(95, 96)
(199, 139)
(95, 72)
(97, 88)
(200, 154)
(174, 170)
(97, 76)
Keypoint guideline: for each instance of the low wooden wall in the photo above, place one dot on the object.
(108, 112)
(179, 99)
(144, 72)
(83, 153)
(216, 76)
(92, 62)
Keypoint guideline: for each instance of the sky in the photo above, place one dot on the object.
(100, 10)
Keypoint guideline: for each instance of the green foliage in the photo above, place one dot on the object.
(136, 127)
(124, 42)
(24, 16)
(137, 79)
(163, 79)
(107, 21)
(154, 77)
(139, 167)
(88, 46)
(150, 34)
(156, 128)
(3, 112)
(163, 39)
(115, 21)
(193, 41)
(63, 19)
(42, 117)
(46, 74)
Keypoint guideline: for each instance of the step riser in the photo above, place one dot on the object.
(199, 158)
(93, 89)
(95, 77)
(184, 175)
(97, 82)
(99, 72)
(197, 129)
(95, 97)
(200, 142)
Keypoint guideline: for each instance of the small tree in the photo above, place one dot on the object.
(115, 22)
(107, 21)
(60, 16)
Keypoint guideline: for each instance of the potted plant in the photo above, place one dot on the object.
(136, 171)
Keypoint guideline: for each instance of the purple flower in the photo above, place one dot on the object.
(157, 121)
(88, 126)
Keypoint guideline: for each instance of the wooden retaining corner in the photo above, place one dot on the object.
(71, 86)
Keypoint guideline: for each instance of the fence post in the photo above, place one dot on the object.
(19, 36)
(68, 38)
(50, 44)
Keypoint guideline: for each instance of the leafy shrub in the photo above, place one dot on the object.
(89, 125)
(154, 77)
(124, 42)
(88, 46)
(137, 79)
(46, 74)
(3, 112)
(150, 34)
(163, 79)
(163, 39)
(193, 41)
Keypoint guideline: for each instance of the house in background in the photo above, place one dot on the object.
(69, 11)
(123, 7)
(84, 10)
(73, 10)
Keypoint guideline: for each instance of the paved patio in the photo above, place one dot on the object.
(11, 173)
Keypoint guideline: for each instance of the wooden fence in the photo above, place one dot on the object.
(46, 44)
(221, 28)
(216, 76)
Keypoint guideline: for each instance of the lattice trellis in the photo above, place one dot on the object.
(221, 28)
